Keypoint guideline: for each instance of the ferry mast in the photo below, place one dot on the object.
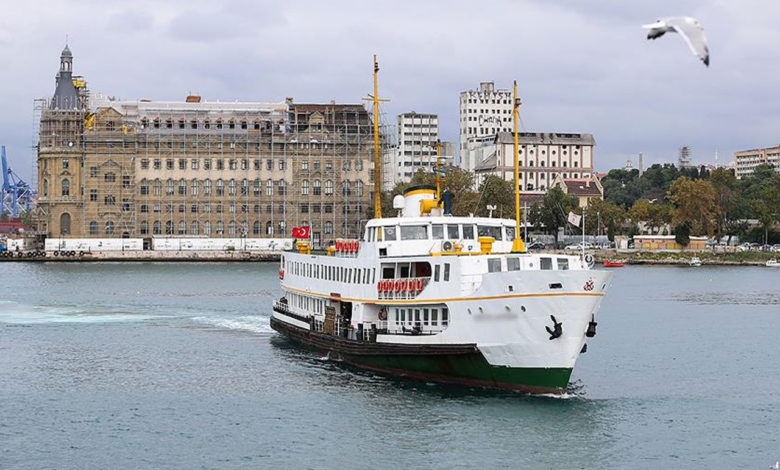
(377, 156)
(517, 245)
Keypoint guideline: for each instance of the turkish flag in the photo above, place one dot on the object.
(300, 232)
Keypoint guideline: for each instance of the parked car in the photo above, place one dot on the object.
(776, 248)
(535, 246)
(578, 247)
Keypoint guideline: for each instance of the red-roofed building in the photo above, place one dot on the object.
(584, 189)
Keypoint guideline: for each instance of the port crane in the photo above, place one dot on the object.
(15, 193)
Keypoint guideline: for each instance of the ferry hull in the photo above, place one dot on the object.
(461, 364)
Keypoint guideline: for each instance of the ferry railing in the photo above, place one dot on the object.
(406, 293)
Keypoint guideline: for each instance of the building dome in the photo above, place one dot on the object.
(66, 52)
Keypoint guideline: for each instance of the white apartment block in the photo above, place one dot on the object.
(542, 157)
(417, 137)
(746, 161)
(483, 113)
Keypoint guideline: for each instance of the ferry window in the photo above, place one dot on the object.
(452, 232)
(545, 263)
(445, 317)
(349, 276)
(436, 270)
(405, 271)
(563, 264)
(373, 275)
(426, 317)
(414, 232)
(434, 316)
(417, 316)
(396, 315)
(510, 233)
(365, 275)
(390, 233)
(494, 265)
(438, 231)
(446, 272)
(489, 231)
(388, 272)
(468, 232)
(403, 315)
(513, 264)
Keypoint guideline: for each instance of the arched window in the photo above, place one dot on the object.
(245, 187)
(109, 227)
(93, 228)
(328, 227)
(317, 187)
(157, 187)
(282, 187)
(269, 188)
(232, 187)
(45, 188)
(182, 187)
(109, 177)
(347, 190)
(182, 227)
(169, 186)
(144, 227)
(282, 226)
(244, 228)
(359, 188)
(169, 227)
(220, 227)
(305, 187)
(207, 187)
(207, 228)
(328, 187)
(256, 228)
(269, 228)
(65, 224)
(194, 185)
(156, 228)
(256, 188)
(66, 187)
(220, 187)
(194, 227)
(144, 187)
(232, 227)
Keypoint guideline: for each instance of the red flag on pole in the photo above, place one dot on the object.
(300, 232)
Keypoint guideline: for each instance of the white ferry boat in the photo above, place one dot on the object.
(429, 296)
(443, 299)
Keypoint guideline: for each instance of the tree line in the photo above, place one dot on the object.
(662, 200)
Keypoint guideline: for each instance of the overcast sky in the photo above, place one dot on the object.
(581, 66)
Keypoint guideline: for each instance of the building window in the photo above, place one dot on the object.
(328, 227)
(66, 187)
(317, 187)
(109, 200)
(328, 187)
(232, 187)
(359, 188)
(256, 188)
(169, 186)
(207, 187)
(93, 172)
(93, 228)
(194, 227)
(220, 227)
(220, 187)
(207, 228)
(194, 185)
(269, 188)
(182, 187)
(65, 163)
(194, 164)
(269, 228)
(93, 195)
(109, 227)
(256, 228)
(144, 227)
(282, 187)
(182, 228)
(305, 187)
(156, 229)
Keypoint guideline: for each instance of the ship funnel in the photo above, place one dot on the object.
(419, 200)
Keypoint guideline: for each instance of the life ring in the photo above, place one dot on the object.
(281, 274)
(410, 286)
(379, 287)
(398, 286)
(419, 285)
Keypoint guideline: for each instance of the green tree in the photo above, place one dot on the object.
(553, 211)
(694, 202)
(497, 192)
(682, 233)
(611, 217)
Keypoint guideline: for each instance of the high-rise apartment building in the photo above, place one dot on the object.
(484, 112)
(141, 168)
(415, 149)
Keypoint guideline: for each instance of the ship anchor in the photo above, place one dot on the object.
(557, 329)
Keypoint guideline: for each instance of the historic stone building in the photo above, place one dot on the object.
(141, 168)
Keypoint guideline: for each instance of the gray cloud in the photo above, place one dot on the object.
(580, 66)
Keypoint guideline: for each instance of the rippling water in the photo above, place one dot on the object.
(175, 366)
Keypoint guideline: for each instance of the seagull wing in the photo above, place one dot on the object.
(693, 34)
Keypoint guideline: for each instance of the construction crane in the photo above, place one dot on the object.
(15, 193)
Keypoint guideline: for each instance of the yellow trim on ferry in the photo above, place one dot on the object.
(450, 299)
(420, 191)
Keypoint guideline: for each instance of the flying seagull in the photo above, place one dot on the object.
(689, 28)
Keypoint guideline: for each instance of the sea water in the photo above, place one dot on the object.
(166, 365)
